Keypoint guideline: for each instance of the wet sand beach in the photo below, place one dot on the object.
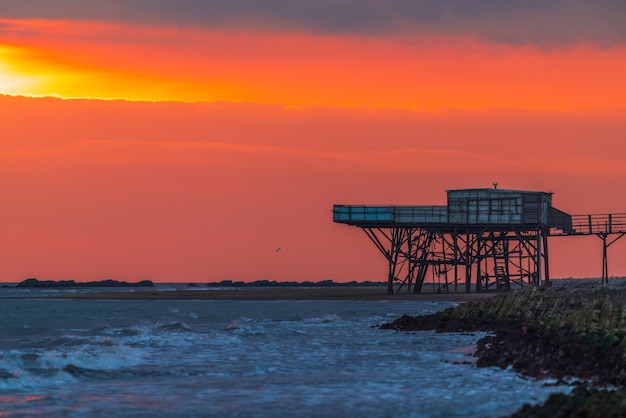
(276, 293)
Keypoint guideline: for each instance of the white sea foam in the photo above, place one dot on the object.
(324, 318)
(23, 370)
(167, 288)
(95, 357)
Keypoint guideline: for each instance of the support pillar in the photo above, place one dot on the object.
(605, 259)
(545, 260)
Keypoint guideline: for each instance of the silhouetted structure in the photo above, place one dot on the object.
(498, 237)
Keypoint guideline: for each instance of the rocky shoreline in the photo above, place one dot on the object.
(568, 334)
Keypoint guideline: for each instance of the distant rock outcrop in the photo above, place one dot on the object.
(71, 283)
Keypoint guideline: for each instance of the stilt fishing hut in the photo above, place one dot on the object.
(483, 239)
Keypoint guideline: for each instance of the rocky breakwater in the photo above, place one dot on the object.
(563, 333)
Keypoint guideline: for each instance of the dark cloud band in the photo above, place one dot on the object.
(534, 21)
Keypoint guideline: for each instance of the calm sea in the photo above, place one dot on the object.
(102, 358)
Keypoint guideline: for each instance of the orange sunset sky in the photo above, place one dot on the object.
(187, 141)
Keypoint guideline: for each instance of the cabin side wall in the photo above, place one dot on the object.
(493, 206)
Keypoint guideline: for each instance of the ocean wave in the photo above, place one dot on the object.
(324, 319)
(114, 332)
(246, 329)
(54, 342)
(177, 327)
(43, 366)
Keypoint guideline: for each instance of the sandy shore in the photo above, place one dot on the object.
(276, 293)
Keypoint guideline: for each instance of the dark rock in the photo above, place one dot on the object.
(582, 402)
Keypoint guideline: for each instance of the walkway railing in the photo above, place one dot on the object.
(599, 224)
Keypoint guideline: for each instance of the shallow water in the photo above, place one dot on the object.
(85, 358)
